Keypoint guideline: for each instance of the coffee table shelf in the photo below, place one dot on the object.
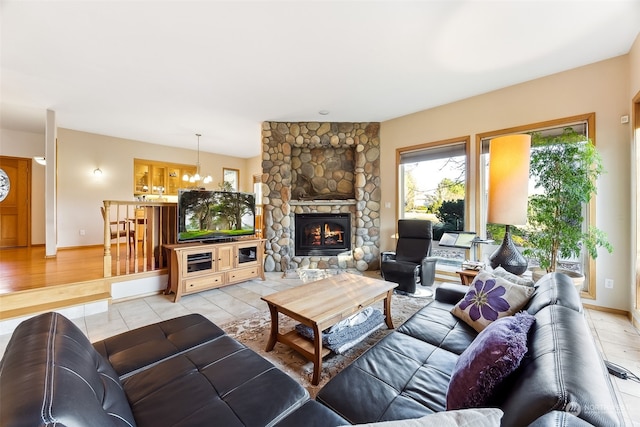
(301, 344)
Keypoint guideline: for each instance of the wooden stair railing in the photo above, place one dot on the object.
(152, 223)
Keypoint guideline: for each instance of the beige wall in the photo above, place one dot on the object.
(602, 88)
(80, 193)
(26, 144)
(254, 167)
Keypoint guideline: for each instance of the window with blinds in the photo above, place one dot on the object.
(432, 186)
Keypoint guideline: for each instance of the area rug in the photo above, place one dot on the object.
(254, 333)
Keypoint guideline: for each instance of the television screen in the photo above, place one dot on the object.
(205, 215)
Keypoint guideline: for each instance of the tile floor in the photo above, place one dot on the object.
(616, 338)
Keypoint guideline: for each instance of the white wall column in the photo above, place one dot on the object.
(51, 228)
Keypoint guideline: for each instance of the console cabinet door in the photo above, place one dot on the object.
(197, 262)
(225, 257)
(247, 254)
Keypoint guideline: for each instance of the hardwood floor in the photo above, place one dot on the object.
(28, 268)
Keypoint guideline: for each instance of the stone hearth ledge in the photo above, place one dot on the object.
(348, 202)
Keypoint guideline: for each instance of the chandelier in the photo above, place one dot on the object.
(194, 179)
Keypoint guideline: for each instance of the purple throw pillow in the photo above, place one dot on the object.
(495, 353)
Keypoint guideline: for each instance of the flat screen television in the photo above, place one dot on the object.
(207, 216)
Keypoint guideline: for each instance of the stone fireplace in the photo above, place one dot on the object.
(321, 168)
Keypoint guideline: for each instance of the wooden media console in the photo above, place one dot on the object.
(196, 267)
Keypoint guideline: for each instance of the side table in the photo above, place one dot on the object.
(467, 276)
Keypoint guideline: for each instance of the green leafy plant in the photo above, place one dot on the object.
(566, 168)
(225, 186)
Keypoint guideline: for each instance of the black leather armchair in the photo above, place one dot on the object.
(411, 263)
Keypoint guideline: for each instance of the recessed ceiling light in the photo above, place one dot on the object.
(323, 112)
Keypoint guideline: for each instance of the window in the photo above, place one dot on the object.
(432, 181)
(583, 125)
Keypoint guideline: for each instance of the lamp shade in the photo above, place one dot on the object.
(509, 179)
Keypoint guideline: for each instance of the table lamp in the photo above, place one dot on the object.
(508, 195)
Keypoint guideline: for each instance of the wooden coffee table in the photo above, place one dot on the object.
(322, 304)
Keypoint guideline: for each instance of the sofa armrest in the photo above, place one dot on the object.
(450, 293)
(51, 375)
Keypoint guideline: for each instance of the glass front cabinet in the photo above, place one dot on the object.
(155, 178)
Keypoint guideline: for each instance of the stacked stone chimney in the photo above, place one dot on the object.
(321, 167)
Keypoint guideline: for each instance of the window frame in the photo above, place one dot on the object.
(469, 195)
(481, 208)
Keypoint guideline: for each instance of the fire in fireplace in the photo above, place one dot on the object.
(322, 234)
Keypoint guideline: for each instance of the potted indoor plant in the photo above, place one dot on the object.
(566, 168)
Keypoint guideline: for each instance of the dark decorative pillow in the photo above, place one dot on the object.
(495, 353)
(490, 298)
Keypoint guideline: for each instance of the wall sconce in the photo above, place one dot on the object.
(97, 172)
(40, 160)
(508, 195)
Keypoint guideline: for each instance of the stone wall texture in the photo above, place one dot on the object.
(341, 159)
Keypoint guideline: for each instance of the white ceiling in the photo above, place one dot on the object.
(161, 71)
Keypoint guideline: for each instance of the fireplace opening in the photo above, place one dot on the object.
(322, 234)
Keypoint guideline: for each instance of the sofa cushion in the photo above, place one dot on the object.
(494, 355)
(490, 298)
(51, 375)
(406, 374)
(400, 377)
(434, 324)
(141, 348)
(221, 381)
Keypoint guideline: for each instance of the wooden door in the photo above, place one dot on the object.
(15, 208)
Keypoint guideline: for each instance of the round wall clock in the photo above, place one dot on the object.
(5, 185)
